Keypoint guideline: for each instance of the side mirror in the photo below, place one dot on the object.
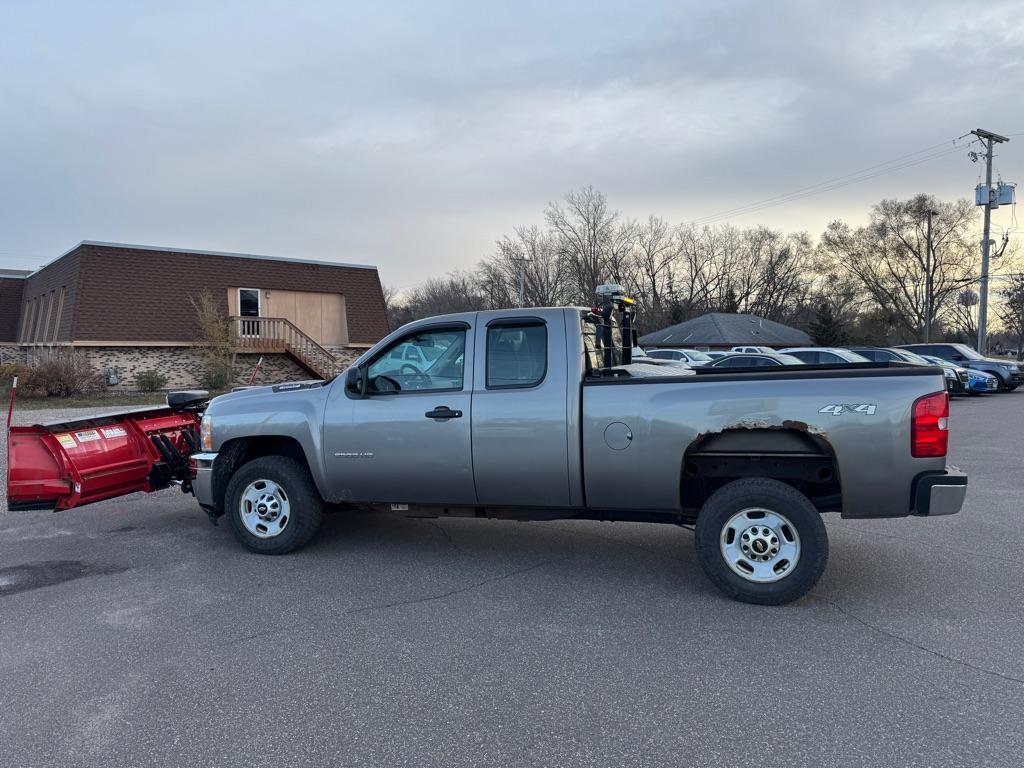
(355, 381)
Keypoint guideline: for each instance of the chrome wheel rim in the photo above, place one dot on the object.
(264, 509)
(760, 545)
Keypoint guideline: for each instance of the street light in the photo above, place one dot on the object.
(928, 278)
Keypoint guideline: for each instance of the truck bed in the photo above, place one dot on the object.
(858, 414)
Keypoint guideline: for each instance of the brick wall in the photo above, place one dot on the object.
(11, 354)
(10, 307)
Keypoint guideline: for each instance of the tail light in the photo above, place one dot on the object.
(929, 430)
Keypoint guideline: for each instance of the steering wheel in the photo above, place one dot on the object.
(414, 371)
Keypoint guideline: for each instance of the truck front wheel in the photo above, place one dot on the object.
(761, 541)
(273, 505)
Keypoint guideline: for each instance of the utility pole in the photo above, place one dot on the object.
(522, 279)
(989, 138)
(928, 279)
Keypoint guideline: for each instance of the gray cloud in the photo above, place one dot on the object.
(413, 135)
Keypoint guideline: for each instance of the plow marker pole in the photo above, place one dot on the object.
(10, 407)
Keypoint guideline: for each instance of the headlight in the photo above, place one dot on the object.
(1009, 368)
(206, 433)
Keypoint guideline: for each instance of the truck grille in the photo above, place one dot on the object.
(962, 375)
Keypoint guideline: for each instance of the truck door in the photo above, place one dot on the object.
(408, 439)
(520, 445)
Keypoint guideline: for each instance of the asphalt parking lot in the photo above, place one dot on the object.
(135, 633)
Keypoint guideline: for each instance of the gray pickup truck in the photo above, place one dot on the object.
(512, 414)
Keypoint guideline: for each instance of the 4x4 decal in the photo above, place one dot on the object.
(838, 408)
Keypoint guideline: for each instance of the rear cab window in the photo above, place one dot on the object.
(517, 354)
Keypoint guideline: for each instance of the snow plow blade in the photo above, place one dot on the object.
(68, 464)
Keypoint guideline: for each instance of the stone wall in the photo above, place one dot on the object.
(346, 355)
(183, 366)
(11, 354)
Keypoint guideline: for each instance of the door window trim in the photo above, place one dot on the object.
(515, 322)
(455, 326)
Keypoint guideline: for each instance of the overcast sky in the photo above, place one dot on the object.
(412, 136)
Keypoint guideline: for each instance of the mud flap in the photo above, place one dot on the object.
(70, 464)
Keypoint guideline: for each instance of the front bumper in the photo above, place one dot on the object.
(201, 470)
(938, 493)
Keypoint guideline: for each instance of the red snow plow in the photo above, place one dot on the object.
(67, 464)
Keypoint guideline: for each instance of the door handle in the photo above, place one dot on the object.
(443, 413)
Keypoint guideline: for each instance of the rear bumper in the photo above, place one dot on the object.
(201, 469)
(938, 493)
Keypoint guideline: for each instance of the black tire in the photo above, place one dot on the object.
(1003, 386)
(775, 496)
(305, 507)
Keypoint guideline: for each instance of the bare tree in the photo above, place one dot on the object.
(529, 257)
(592, 241)
(1011, 312)
(888, 257)
(962, 315)
(656, 252)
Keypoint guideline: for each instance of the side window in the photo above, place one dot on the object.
(812, 358)
(517, 355)
(426, 361)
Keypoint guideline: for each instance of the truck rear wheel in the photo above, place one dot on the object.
(273, 506)
(761, 541)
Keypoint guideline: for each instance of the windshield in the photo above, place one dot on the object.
(693, 354)
(967, 352)
(913, 357)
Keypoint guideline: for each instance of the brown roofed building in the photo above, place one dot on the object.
(130, 308)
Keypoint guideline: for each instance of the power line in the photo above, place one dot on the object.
(825, 187)
(753, 208)
(908, 160)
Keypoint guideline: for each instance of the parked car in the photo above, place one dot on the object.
(956, 383)
(749, 349)
(978, 382)
(641, 356)
(1009, 373)
(824, 355)
(516, 419)
(691, 357)
(739, 360)
(981, 382)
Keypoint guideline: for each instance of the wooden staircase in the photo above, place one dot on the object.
(278, 335)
